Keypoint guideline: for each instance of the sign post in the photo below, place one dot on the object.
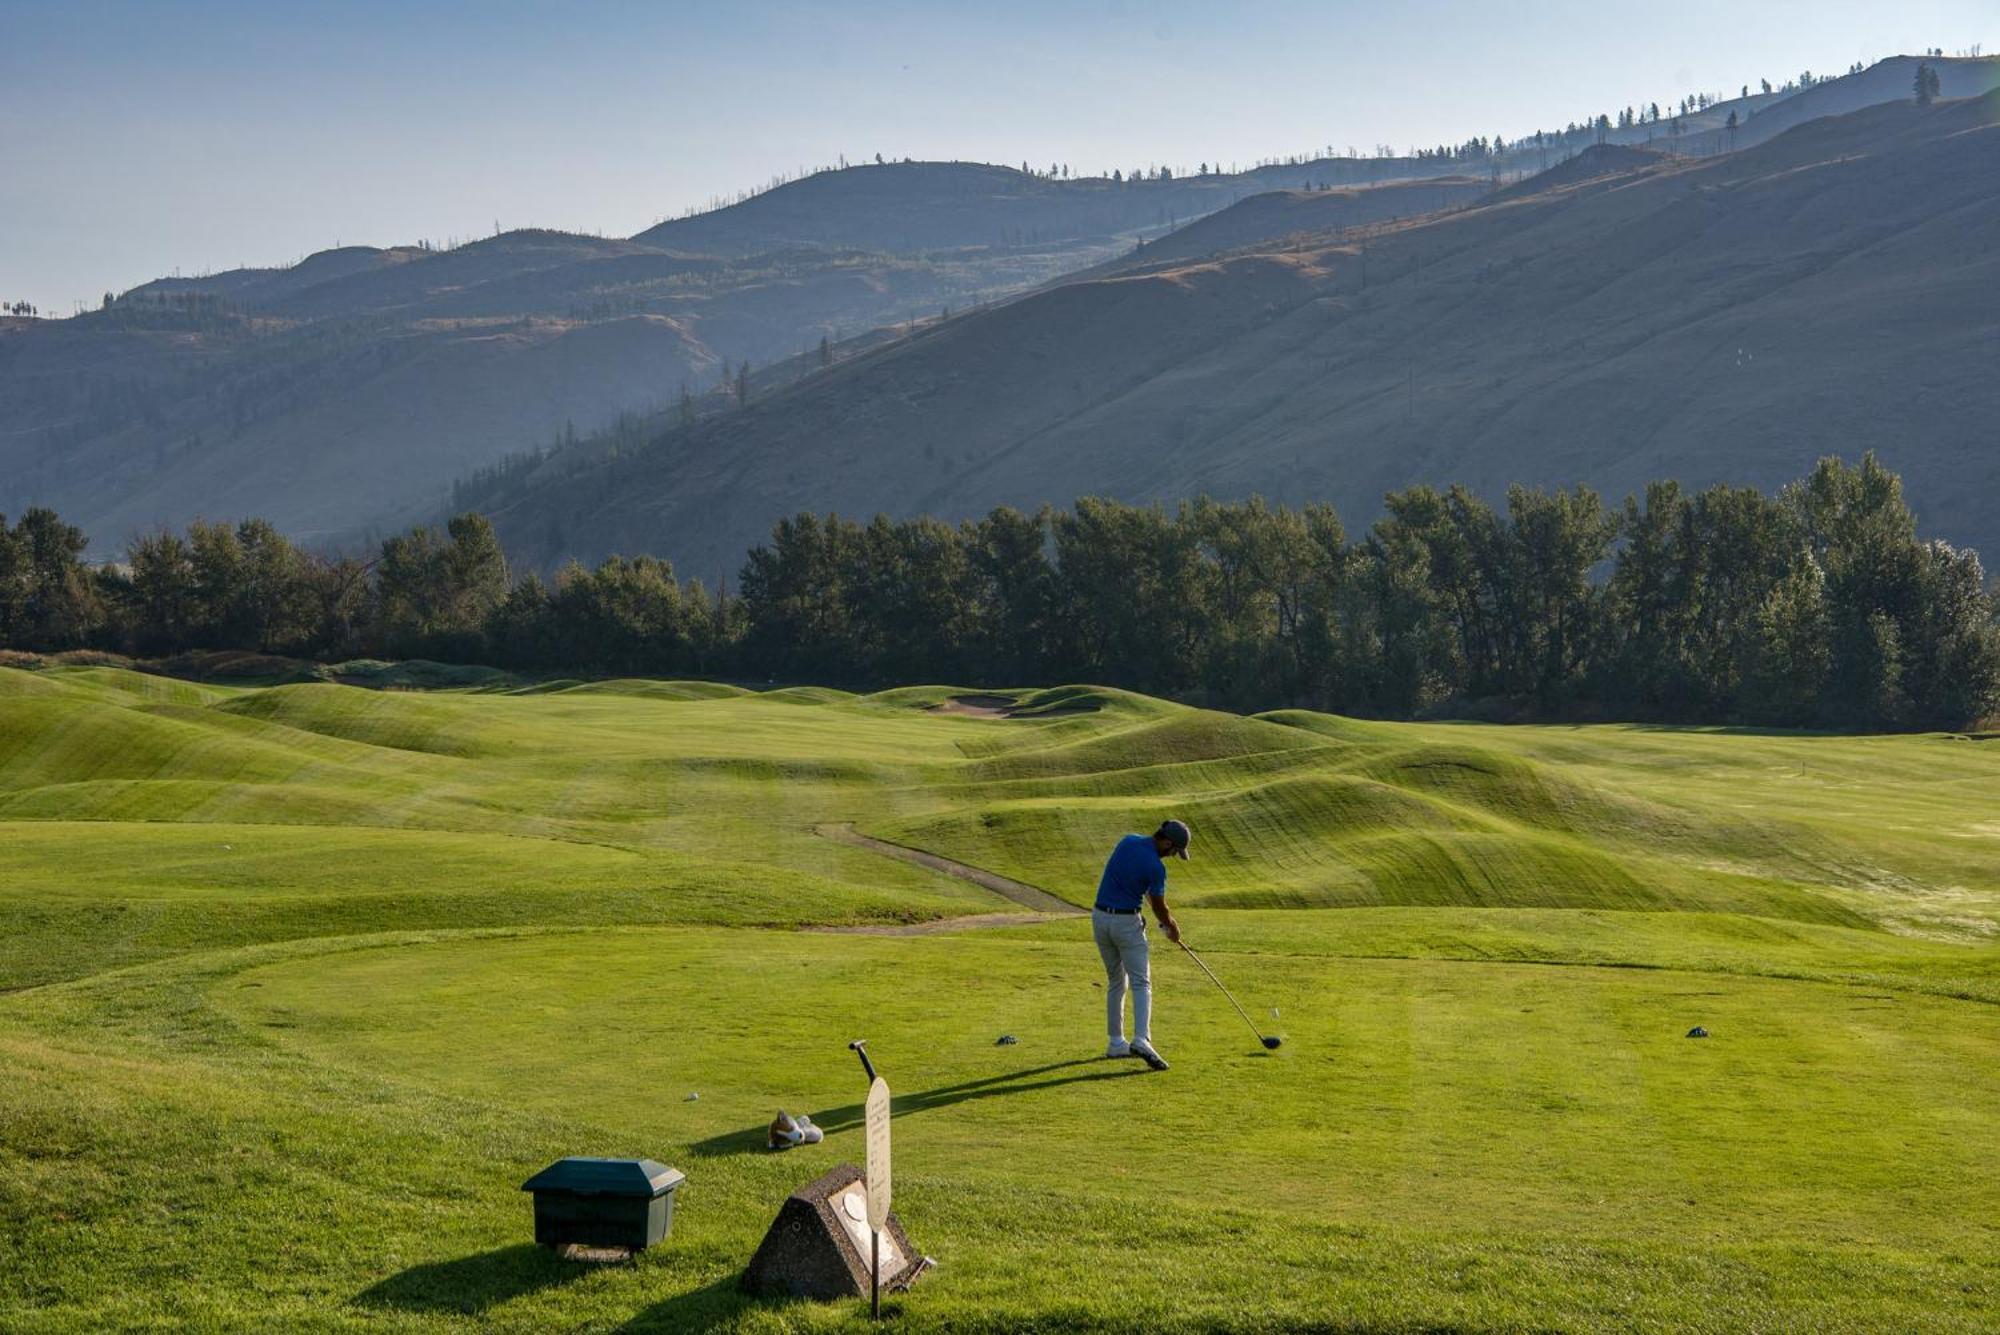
(878, 1184)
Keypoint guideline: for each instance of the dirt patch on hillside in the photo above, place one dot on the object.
(1027, 896)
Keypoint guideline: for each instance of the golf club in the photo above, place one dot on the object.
(1271, 1041)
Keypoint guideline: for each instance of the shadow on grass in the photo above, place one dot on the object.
(849, 1116)
(710, 1307)
(471, 1284)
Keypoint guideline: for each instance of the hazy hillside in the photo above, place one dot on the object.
(1762, 116)
(350, 389)
(1835, 289)
(347, 391)
(1263, 219)
(1599, 162)
(259, 287)
(917, 206)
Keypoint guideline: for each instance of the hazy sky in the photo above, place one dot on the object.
(137, 139)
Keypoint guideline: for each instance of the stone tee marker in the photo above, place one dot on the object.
(820, 1245)
(837, 1236)
(878, 1186)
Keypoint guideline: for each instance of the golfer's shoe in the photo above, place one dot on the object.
(1147, 1053)
(1118, 1048)
(784, 1132)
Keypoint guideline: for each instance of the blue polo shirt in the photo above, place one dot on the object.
(1133, 871)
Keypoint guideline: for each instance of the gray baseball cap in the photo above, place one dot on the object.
(1176, 833)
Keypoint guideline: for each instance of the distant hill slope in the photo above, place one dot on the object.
(262, 287)
(1599, 162)
(1267, 218)
(1762, 116)
(1833, 290)
(917, 206)
(346, 392)
(1886, 81)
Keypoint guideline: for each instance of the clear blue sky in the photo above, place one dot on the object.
(141, 138)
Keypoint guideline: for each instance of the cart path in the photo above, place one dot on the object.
(1027, 896)
(940, 926)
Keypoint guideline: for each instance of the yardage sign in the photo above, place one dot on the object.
(878, 1153)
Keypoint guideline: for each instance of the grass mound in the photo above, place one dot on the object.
(400, 721)
(238, 667)
(1078, 744)
(413, 674)
(18, 680)
(98, 682)
(1071, 700)
(808, 695)
(647, 689)
(81, 738)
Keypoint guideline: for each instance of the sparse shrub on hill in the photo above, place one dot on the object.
(1818, 606)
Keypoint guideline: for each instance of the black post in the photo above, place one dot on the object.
(875, 1276)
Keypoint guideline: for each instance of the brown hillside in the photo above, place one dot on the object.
(1834, 290)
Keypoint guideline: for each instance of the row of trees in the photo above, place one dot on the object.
(433, 593)
(1815, 606)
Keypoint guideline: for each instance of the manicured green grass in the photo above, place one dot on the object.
(1831, 1111)
(306, 980)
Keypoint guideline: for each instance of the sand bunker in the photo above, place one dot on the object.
(977, 706)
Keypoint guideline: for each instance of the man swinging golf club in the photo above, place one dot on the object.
(1134, 876)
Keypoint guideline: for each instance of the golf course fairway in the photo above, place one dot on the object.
(299, 983)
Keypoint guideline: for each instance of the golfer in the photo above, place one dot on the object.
(1134, 876)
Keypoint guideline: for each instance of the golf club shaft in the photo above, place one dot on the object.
(1219, 987)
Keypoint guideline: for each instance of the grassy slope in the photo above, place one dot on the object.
(245, 1094)
(1310, 810)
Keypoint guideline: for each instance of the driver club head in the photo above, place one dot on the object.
(1273, 1041)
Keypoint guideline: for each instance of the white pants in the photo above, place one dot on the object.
(1121, 940)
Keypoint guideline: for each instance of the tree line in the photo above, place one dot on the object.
(1818, 605)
